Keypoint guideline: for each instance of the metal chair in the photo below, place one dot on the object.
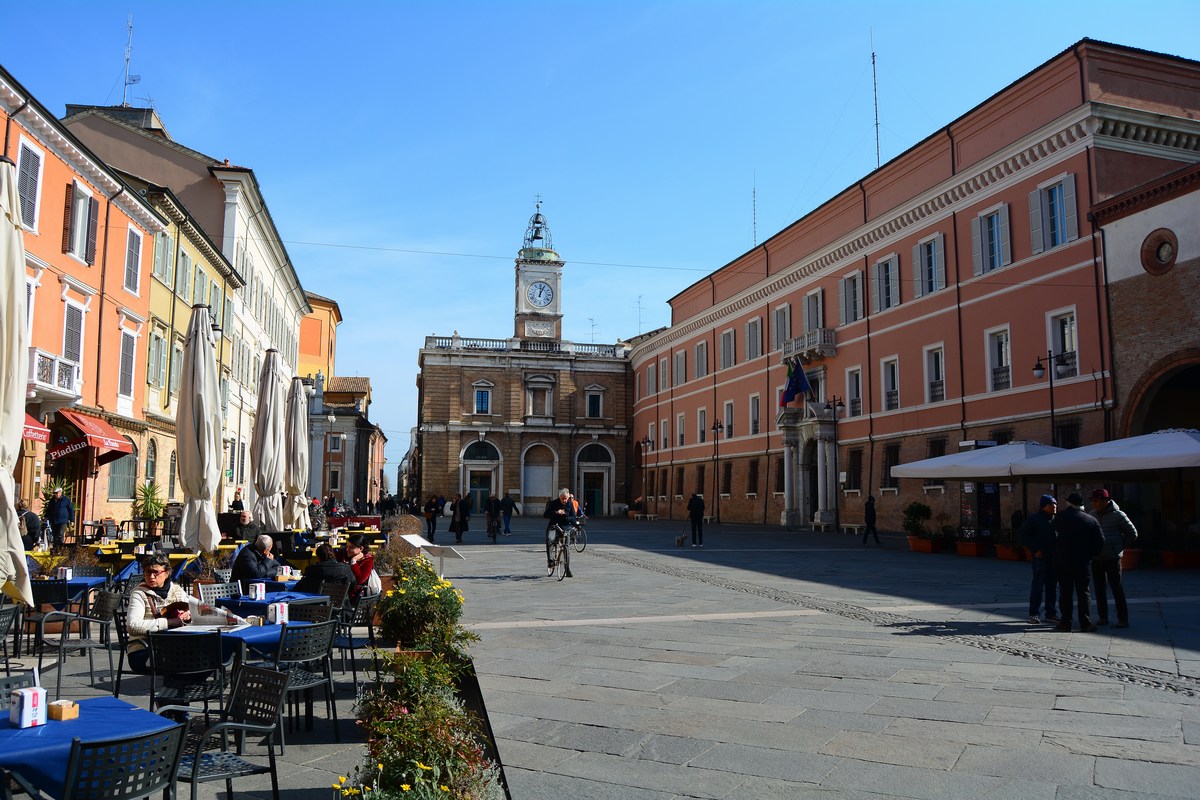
(309, 612)
(254, 706)
(345, 640)
(210, 593)
(22, 680)
(56, 595)
(102, 613)
(8, 615)
(224, 575)
(126, 768)
(191, 665)
(305, 655)
(120, 618)
(336, 591)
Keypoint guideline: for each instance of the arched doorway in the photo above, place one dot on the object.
(539, 468)
(595, 464)
(480, 472)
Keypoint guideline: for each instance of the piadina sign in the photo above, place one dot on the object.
(66, 449)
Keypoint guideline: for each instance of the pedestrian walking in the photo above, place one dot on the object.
(1118, 532)
(491, 510)
(1079, 541)
(869, 520)
(507, 507)
(460, 515)
(695, 508)
(1037, 534)
(431, 515)
(60, 514)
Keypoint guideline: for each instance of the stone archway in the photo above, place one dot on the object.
(539, 475)
(1164, 397)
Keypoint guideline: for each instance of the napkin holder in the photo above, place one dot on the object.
(63, 710)
(66, 573)
(277, 613)
(27, 707)
(258, 591)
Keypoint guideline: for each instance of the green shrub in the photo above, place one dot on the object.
(915, 517)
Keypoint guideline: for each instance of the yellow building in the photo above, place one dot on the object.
(318, 337)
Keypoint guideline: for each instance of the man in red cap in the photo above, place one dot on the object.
(1106, 568)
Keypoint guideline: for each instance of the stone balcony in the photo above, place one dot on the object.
(812, 345)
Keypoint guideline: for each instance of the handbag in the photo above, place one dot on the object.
(374, 584)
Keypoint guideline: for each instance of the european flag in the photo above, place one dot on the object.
(797, 384)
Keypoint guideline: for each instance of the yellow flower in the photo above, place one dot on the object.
(390, 592)
(445, 788)
(404, 787)
(341, 779)
(422, 766)
(379, 767)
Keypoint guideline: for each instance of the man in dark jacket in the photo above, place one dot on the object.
(560, 512)
(325, 568)
(507, 507)
(1118, 531)
(869, 520)
(1079, 541)
(59, 513)
(491, 510)
(695, 508)
(1037, 534)
(31, 523)
(256, 561)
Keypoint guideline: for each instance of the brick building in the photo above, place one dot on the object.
(918, 302)
(528, 414)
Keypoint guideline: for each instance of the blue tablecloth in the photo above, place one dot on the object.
(79, 585)
(262, 639)
(40, 754)
(244, 605)
(276, 586)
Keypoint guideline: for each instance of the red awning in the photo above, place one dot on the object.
(35, 430)
(97, 433)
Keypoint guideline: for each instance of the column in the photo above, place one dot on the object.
(822, 480)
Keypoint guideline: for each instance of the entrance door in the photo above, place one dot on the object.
(479, 488)
(593, 493)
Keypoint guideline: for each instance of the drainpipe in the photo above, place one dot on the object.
(768, 394)
(1103, 308)
(103, 294)
(8, 124)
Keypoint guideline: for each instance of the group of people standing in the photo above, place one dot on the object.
(1071, 548)
(497, 510)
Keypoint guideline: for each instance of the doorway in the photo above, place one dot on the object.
(479, 488)
(593, 493)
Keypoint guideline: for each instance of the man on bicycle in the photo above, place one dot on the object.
(561, 512)
(491, 508)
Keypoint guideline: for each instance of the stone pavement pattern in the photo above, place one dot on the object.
(771, 664)
(777, 665)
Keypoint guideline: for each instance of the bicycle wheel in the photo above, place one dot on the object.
(579, 539)
(560, 560)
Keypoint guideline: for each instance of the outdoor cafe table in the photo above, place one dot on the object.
(40, 754)
(245, 605)
(276, 586)
(237, 639)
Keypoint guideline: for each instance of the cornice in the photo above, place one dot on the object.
(1166, 188)
(1054, 142)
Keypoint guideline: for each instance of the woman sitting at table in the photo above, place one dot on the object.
(255, 560)
(158, 604)
(361, 561)
(325, 568)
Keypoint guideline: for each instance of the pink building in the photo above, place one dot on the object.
(917, 302)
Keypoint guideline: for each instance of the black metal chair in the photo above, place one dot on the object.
(22, 680)
(127, 768)
(101, 614)
(8, 615)
(346, 641)
(120, 618)
(305, 655)
(191, 666)
(309, 612)
(254, 706)
(337, 592)
(50, 601)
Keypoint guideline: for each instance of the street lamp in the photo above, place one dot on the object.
(834, 409)
(1039, 371)
(716, 429)
(646, 444)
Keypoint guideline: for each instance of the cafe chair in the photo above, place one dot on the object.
(210, 593)
(119, 624)
(8, 615)
(22, 680)
(254, 707)
(127, 768)
(50, 601)
(309, 612)
(336, 591)
(345, 640)
(101, 614)
(224, 575)
(304, 654)
(191, 666)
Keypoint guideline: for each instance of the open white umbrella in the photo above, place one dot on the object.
(1168, 449)
(198, 434)
(267, 454)
(998, 461)
(14, 362)
(295, 509)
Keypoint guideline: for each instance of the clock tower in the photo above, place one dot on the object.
(538, 304)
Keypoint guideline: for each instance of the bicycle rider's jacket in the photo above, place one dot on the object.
(553, 507)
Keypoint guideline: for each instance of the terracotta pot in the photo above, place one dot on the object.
(919, 545)
(1010, 552)
(1178, 559)
(1130, 558)
(971, 548)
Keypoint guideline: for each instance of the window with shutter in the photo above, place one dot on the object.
(28, 305)
(183, 276)
(133, 261)
(28, 179)
(887, 284)
(125, 385)
(81, 214)
(753, 339)
(783, 327)
(701, 359)
(850, 298)
(73, 334)
(93, 224)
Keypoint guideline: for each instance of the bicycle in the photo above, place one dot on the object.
(577, 534)
(558, 553)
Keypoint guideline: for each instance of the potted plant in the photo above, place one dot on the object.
(421, 610)
(1007, 546)
(913, 522)
(148, 504)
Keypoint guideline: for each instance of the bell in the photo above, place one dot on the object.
(537, 234)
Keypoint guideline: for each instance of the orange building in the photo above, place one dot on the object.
(318, 337)
(917, 303)
(89, 243)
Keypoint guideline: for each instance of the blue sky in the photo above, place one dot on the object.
(401, 145)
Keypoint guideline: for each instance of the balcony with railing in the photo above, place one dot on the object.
(937, 391)
(1067, 364)
(811, 345)
(1001, 378)
(856, 407)
(54, 378)
(891, 399)
(473, 344)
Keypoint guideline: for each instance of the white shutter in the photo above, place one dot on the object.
(819, 299)
(843, 317)
(152, 360)
(877, 287)
(860, 292)
(27, 185)
(918, 268)
(73, 334)
(939, 263)
(977, 245)
(1005, 247)
(1037, 243)
(894, 276)
(1072, 222)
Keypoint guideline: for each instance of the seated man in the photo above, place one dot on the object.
(247, 530)
(255, 560)
(325, 568)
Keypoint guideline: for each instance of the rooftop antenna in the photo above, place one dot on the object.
(754, 207)
(875, 84)
(129, 79)
(592, 320)
(639, 308)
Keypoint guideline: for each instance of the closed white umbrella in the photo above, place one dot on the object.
(998, 461)
(1168, 449)
(198, 434)
(295, 509)
(14, 361)
(267, 453)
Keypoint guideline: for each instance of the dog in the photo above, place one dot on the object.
(679, 540)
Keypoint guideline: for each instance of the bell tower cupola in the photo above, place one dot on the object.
(538, 302)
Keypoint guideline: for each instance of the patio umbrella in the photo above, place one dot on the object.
(295, 509)
(985, 462)
(1167, 449)
(198, 431)
(267, 453)
(14, 362)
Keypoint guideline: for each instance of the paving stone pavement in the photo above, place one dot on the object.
(773, 664)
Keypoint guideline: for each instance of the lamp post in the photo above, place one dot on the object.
(646, 444)
(834, 409)
(716, 429)
(1059, 369)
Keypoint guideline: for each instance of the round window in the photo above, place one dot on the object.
(1159, 251)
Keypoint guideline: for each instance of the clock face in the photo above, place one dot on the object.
(539, 294)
